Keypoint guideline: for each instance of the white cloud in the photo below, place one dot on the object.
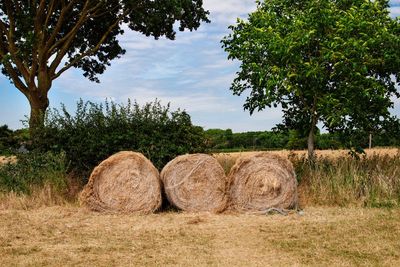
(200, 102)
(395, 11)
(226, 12)
(191, 72)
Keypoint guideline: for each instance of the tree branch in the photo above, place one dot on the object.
(39, 40)
(90, 51)
(12, 48)
(66, 41)
(71, 34)
(50, 10)
(16, 80)
(47, 51)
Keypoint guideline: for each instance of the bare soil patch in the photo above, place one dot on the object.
(72, 236)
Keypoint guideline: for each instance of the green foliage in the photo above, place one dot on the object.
(11, 140)
(387, 135)
(21, 136)
(34, 170)
(321, 61)
(329, 141)
(217, 140)
(6, 140)
(43, 39)
(96, 131)
(83, 33)
(296, 141)
(5, 132)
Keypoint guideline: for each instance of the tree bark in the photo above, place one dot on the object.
(39, 104)
(310, 144)
(370, 141)
(311, 135)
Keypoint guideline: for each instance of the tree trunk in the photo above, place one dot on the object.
(39, 105)
(310, 144)
(370, 141)
(311, 135)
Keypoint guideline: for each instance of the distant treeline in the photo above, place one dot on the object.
(219, 140)
(226, 140)
(12, 140)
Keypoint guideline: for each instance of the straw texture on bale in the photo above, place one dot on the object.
(262, 181)
(195, 183)
(125, 182)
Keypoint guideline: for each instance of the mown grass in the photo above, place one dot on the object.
(43, 226)
(71, 236)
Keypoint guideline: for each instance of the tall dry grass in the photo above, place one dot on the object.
(45, 195)
(370, 181)
(337, 179)
(334, 179)
(6, 160)
(226, 158)
(36, 180)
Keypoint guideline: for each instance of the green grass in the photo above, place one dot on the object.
(34, 170)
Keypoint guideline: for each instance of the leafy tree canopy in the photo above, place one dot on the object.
(41, 39)
(335, 62)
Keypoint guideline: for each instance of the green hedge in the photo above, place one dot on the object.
(97, 131)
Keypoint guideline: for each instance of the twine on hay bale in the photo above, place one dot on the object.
(125, 182)
(263, 181)
(195, 183)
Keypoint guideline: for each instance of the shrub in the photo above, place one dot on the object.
(295, 140)
(328, 141)
(34, 170)
(6, 140)
(96, 131)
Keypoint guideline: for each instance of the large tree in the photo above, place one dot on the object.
(330, 61)
(41, 39)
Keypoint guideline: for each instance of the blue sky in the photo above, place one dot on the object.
(191, 73)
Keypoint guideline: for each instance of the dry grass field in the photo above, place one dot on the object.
(46, 229)
(285, 153)
(72, 236)
(5, 160)
(331, 154)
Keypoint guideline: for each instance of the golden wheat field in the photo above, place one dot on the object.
(285, 153)
(332, 154)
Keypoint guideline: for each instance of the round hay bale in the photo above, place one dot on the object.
(125, 182)
(195, 183)
(262, 181)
